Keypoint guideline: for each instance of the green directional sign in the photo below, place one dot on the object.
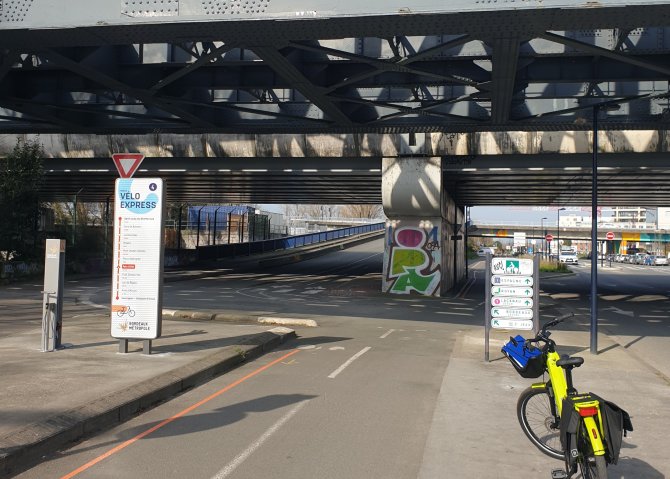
(512, 291)
(512, 266)
(512, 323)
(503, 280)
(511, 302)
(516, 313)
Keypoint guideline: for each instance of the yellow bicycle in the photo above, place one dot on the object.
(582, 429)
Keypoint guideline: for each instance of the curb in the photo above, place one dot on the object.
(24, 448)
(236, 317)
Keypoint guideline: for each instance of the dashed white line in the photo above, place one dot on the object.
(353, 358)
(244, 455)
(386, 334)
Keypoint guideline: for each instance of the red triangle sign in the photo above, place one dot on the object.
(127, 163)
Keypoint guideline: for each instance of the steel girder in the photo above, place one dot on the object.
(271, 67)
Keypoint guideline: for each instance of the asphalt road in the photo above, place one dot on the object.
(352, 398)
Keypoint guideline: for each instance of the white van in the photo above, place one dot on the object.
(485, 250)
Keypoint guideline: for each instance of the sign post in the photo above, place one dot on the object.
(512, 295)
(549, 238)
(610, 250)
(137, 272)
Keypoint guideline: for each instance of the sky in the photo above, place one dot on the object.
(523, 215)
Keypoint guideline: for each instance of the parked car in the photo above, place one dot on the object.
(639, 258)
(484, 251)
(653, 260)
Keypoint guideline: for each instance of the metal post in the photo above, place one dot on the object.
(214, 240)
(230, 219)
(146, 348)
(455, 229)
(123, 346)
(594, 236)
(558, 234)
(197, 236)
(179, 233)
(544, 238)
(106, 227)
(465, 240)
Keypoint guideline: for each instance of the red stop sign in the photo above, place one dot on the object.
(549, 238)
(609, 236)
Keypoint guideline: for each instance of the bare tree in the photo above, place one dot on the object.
(362, 211)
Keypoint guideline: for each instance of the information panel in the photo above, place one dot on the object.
(137, 277)
(511, 295)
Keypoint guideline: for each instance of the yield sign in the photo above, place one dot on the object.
(127, 163)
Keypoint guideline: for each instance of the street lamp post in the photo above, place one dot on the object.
(544, 237)
(594, 223)
(558, 234)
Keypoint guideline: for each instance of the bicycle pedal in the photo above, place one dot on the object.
(559, 474)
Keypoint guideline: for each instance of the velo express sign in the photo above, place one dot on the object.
(137, 276)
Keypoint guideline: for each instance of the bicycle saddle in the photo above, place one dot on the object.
(567, 361)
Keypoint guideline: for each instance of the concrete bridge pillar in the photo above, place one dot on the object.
(424, 250)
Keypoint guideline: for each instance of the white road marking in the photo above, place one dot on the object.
(244, 455)
(386, 334)
(353, 358)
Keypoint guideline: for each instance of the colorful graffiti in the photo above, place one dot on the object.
(412, 260)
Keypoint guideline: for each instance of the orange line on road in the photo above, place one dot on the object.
(127, 443)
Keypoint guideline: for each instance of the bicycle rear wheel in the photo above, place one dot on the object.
(538, 423)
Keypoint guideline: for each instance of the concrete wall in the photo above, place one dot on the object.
(344, 145)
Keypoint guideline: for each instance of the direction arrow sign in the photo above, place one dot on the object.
(127, 163)
(511, 323)
(518, 291)
(511, 302)
(499, 280)
(520, 267)
(512, 313)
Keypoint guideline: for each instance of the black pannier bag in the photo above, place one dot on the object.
(569, 433)
(616, 423)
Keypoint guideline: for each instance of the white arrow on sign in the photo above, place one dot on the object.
(510, 302)
(511, 324)
(512, 313)
(512, 291)
(500, 280)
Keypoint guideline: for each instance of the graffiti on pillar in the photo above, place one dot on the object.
(413, 260)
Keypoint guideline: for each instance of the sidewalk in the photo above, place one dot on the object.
(475, 431)
(49, 399)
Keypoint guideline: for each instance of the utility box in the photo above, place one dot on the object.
(52, 304)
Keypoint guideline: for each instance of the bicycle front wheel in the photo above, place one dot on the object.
(538, 423)
(593, 467)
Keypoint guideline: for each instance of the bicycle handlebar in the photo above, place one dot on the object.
(556, 321)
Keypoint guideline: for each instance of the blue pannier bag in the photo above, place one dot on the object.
(526, 359)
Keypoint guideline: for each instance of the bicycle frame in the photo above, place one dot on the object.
(589, 410)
